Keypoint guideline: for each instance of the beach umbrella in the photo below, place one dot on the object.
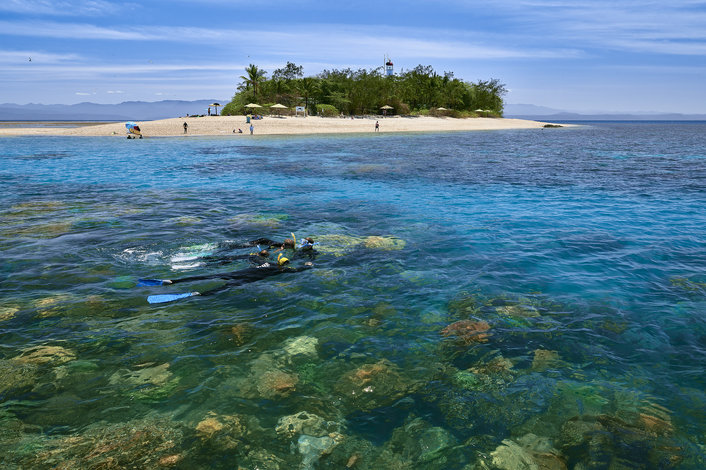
(278, 107)
(215, 105)
(386, 107)
(253, 105)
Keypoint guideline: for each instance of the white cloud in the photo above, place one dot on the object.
(61, 8)
(39, 58)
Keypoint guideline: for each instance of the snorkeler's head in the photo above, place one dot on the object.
(307, 243)
(281, 260)
(288, 243)
(264, 253)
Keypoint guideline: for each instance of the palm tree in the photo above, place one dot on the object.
(254, 77)
(307, 86)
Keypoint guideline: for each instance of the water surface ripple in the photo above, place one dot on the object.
(472, 295)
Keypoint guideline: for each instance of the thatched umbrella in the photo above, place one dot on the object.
(215, 105)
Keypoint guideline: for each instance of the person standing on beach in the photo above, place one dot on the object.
(186, 126)
(251, 129)
(377, 126)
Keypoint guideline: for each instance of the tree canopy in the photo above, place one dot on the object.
(419, 90)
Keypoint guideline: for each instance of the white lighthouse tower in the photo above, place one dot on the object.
(389, 67)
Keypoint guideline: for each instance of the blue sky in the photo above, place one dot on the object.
(607, 56)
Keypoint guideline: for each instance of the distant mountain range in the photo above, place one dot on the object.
(542, 113)
(148, 111)
(126, 111)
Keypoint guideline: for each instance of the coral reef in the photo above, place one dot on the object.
(45, 355)
(517, 311)
(529, 452)
(384, 243)
(276, 384)
(305, 423)
(373, 385)
(8, 312)
(269, 221)
(145, 443)
(468, 331)
(147, 383)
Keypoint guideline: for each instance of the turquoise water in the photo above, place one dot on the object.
(477, 299)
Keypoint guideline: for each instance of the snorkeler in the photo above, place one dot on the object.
(288, 243)
(255, 259)
(235, 278)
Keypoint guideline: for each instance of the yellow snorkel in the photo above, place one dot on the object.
(295, 239)
(281, 259)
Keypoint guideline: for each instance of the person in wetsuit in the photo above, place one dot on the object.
(236, 278)
(255, 259)
(288, 243)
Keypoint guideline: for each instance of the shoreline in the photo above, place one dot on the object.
(269, 125)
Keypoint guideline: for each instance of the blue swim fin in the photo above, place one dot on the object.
(162, 298)
(150, 282)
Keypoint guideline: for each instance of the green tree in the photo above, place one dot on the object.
(289, 72)
(307, 87)
(253, 78)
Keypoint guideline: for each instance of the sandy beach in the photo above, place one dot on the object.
(225, 125)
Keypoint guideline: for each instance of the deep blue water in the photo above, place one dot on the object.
(586, 244)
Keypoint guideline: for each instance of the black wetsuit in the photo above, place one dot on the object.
(244, 276)
(262, 242)
(255, 259)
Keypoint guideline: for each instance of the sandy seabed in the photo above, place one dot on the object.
(229, 125)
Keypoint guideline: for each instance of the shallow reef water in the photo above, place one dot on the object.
(497, 300)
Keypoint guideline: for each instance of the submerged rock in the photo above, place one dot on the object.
(544, 359)
(337, 244)
(276, 384)
(145, 443)
(517, 311)
(605, 441)
(259, 220)
(312, 448)
(301, 345)
(6, 313)
(373, 385)
(384, 243)
(53, 305)
(45, 355)
(185, 220)
(221, 431)
(529, 452)
(16, 376)
(154, 382)
(468, 331)
(305, 423)
(242, 333)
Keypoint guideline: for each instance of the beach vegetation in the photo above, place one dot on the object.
(418, 91)
(326, 110)
(252, 79)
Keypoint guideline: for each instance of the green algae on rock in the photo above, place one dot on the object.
(45, 355)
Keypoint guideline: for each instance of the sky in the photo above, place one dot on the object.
(574, 55)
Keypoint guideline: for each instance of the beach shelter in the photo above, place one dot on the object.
(385, 108)
(252, 106)
(278, 107)
(479, 111)
(133, 130)
(215, 105)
